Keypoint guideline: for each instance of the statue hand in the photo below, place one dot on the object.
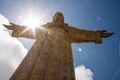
(11, 26)
(104, 34)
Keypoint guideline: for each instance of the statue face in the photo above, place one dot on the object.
(58, 17)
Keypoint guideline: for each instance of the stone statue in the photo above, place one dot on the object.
(50, 58)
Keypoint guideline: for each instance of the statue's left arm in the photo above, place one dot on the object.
(78, 35)
(20, 31)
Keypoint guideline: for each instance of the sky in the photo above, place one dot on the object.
(92, 61)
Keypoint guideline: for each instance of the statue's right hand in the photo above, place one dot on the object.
(11, 26)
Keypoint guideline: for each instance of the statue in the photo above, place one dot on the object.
(50, 58)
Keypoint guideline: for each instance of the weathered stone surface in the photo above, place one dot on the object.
(50, 58)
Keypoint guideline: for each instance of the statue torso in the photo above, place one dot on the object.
(55, 30)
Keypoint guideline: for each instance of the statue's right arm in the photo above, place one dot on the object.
(79, 35)
(20, 31)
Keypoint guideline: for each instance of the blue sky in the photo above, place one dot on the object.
(103, 59)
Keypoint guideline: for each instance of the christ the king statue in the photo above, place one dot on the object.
(50, 58)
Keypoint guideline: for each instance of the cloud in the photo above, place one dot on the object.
(3, 20)
(12, 51)
(82, 73)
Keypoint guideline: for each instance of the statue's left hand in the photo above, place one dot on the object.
(104, 34)
(11, 26)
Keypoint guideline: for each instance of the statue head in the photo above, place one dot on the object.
(58, 17)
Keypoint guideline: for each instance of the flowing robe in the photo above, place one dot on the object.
(50, 58)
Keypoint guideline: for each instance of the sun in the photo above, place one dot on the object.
(31, 20)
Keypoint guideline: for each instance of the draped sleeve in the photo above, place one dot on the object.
(79, 35)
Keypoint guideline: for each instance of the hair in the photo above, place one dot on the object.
(58, 17)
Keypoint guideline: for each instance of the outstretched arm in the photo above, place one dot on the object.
(78, 35)
(20, 31)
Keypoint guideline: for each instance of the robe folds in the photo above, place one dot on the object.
(50, 58)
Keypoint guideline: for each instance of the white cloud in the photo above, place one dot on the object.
(82, 73)
(3, 20)
(12, 51)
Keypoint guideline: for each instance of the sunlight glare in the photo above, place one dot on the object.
(31, 20)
